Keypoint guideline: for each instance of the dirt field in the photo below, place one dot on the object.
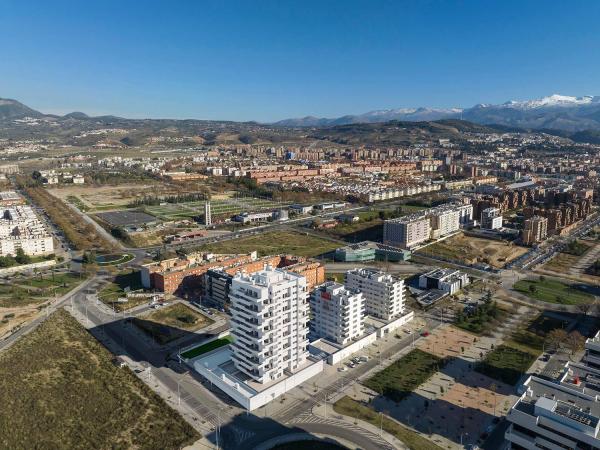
(98, 198)
(471, 250)
(447, 342)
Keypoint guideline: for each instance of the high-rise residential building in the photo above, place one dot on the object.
(207, 214)
(433, 223)
(383, 293)
(269, 315)
(407, 232)
(535, 230)
(337, 313)
(491, 219)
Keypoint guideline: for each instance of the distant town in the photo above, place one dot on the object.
(246, 284)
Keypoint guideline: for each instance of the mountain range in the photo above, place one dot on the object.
(577, 118)
(557, 112)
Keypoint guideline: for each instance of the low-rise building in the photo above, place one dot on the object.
(371, 251)
(560, 414)
(446, 280)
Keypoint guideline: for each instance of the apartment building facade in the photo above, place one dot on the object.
(337, 313)
(20, 228)
(269, 320)
(535, 230)
(383, 293)
(407, 232)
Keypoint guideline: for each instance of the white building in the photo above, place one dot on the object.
(337, 313)
(383, 293)
(269, 315)
(433, 223)
(446, 280)
(20, 228)
(491, 219)
(561, 414)
(407, 232)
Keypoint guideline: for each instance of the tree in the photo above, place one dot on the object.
(556, 337)
(532, 288)
(488, 297)
(21, 257)
(542, 278)
(585, 307)
(575, 342)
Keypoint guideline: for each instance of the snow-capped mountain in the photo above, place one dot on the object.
(556, 111)
(552, 100)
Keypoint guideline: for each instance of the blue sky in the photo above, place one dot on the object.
(269, 60)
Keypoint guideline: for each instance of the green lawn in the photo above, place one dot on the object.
(507, 363)
(116, 288)
(205, 348)
(172, 322)
(552, 291)
(273, 243)
(63, 391)
(357, 410)
(403, 376)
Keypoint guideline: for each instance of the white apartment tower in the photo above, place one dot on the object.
(269, 315)
(207, 214)
(384, 293)
(338, 313)
(407, 232)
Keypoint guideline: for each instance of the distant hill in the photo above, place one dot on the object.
(398, 132)
(12, 109)
(558, 112)
(577, 118)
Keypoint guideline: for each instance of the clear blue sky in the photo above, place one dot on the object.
(269, 60)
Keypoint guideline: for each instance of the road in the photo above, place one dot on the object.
(58, 303)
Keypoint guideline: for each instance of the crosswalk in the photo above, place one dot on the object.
(311, 418)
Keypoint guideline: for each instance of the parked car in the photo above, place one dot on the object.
(425, 333)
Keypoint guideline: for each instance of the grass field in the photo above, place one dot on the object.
(171, 322)
(484, 319)
(552, 291)
(21, 291)
(506, 363)
(221, 207)
(275, 242)
(404, 375)
(205, 348)
(413, 440)
(470, 250)
(566, 259)
(63, 391)
(116, 288)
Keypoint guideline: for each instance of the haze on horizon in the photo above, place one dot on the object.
(269, 61)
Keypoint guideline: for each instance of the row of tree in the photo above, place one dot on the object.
(81, 234)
